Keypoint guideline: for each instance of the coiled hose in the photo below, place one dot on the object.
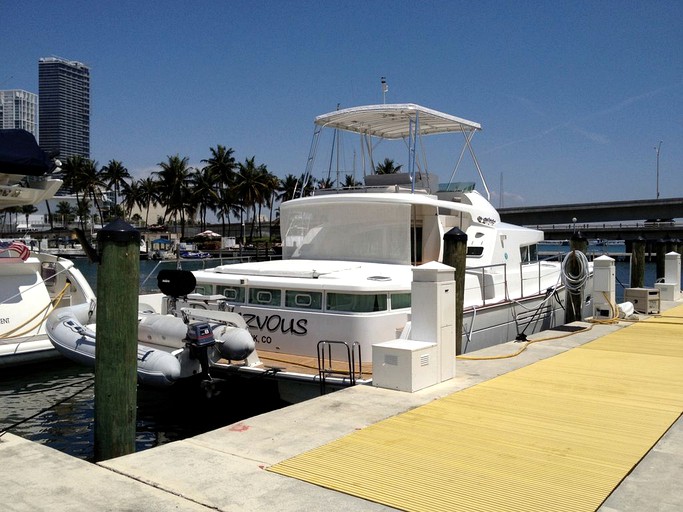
(574, 282)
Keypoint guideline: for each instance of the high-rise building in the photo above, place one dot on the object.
(19, 109)
(64, 107)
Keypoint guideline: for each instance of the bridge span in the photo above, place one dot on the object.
(619, 211)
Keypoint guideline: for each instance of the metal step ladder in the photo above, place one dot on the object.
(350, 373)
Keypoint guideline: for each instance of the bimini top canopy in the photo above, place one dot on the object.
(394, 121)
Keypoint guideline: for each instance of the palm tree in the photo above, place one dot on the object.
(66, 212)
(287, 188)
(350, 181)
(74, 178)
(27, 210)
(272, 184)
(203, 183)
(222, 165)
(175, 188)
(148, 195)
(387, 167)
(324, 183)
(250, 187)
(93, 184)
(114, 174)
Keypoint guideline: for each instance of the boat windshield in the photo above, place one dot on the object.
(349, 231)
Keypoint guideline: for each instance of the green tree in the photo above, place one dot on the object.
(114, 175)
(74, 179)
(250, 187)
(350, 181)
(66, 212)
(27, 210)
(287, 188)
(388, 167)
(204, 192)
(175, 187)
(222, 166)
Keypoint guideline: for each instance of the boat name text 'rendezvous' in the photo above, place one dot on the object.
(275, 323)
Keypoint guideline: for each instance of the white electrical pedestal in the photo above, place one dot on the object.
(405, 365)
(670, 289)
(604, 301)
(428, 357)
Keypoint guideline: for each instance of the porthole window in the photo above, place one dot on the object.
(264, 296)
(232, 293)
(303, 299)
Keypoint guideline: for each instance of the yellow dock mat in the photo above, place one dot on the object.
(559, 434)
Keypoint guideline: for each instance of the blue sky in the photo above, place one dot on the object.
(573, 97)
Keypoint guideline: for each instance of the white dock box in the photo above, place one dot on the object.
(644, 300)
(405, 365)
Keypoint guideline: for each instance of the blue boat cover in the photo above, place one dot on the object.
(20, 154)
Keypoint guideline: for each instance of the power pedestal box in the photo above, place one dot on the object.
(644, 300)
(405, 365)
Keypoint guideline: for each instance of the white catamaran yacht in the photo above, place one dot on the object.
(349, 252)
(32, 284)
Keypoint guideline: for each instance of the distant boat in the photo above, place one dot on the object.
(194, 255)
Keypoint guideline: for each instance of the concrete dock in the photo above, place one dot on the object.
(225, 469)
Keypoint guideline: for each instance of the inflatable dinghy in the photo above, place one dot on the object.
(170, 347)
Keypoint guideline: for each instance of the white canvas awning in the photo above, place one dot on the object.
(393, 121)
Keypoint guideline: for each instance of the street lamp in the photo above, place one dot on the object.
(657, 148)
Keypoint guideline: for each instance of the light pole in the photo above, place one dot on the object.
(657, 148)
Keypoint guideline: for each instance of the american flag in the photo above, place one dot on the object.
(21, 250)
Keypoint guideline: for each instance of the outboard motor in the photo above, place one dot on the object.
(199, 339)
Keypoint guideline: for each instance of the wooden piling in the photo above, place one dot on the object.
(574, 301)
(638, 263)
(455, 255)
(116, 356)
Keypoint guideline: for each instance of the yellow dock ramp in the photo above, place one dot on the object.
(560, 434)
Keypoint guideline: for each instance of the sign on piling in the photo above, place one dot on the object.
(116, 357)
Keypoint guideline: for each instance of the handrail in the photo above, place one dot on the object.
(328, 370)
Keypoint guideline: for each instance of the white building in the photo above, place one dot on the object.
(19, 109)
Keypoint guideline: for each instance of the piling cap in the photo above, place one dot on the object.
(456, 235)
(118, 231)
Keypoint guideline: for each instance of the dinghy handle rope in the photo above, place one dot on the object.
(49, 308)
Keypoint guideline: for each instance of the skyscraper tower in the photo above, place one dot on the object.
(19, 109)
(64, 107)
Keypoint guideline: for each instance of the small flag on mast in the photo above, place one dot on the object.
(385, 89)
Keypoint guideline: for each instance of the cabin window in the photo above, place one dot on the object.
(400, 300)
(475, 251)
(232, 293)
(204, 289)
(529, 253)
(356, 303)
(303, 300)
(264, 296)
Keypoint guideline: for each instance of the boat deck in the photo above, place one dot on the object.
(307, 365)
